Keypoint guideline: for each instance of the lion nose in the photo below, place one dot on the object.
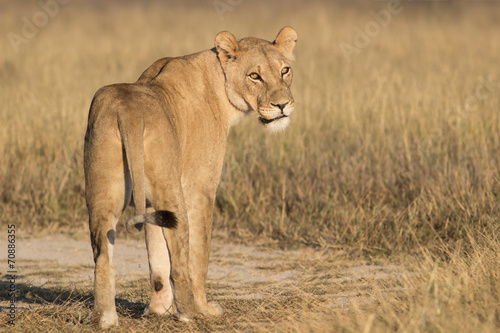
(281, 106)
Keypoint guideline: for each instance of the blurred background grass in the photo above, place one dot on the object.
(384, 152)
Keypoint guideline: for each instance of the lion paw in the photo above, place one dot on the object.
(212, 309)
(183, 317)
(160, 311)
(105, 321)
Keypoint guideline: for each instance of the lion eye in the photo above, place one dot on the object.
(255, 76)
(285, 71)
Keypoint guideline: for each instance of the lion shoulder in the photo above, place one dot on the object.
(152, 71)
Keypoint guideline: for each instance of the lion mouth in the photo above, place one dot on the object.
(268, 121)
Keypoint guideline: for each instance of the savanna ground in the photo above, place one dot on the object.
(377, 210)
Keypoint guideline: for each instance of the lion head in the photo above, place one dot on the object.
(258, 75)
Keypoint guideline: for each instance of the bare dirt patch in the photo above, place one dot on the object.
(236, 272)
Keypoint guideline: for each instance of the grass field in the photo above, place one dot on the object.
(393, 153)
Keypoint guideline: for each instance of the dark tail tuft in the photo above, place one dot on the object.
(162, 218)
(165, 219)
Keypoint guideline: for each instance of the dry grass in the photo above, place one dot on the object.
(396, 151)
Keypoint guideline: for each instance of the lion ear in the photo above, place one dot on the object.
(285, 41)
(226, 46)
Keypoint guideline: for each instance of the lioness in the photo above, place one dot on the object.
(161, 141)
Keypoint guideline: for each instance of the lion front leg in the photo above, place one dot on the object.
(200, 216)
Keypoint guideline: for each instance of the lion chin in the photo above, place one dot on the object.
(276, 125)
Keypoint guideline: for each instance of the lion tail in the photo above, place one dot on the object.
(162, 218)
(132, 131)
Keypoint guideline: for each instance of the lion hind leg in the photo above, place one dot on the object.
(168, 256)
(103, 240)
(107, 193)
(168, 248)
(162, 298)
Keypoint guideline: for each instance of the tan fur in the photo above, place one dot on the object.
(161, 140)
